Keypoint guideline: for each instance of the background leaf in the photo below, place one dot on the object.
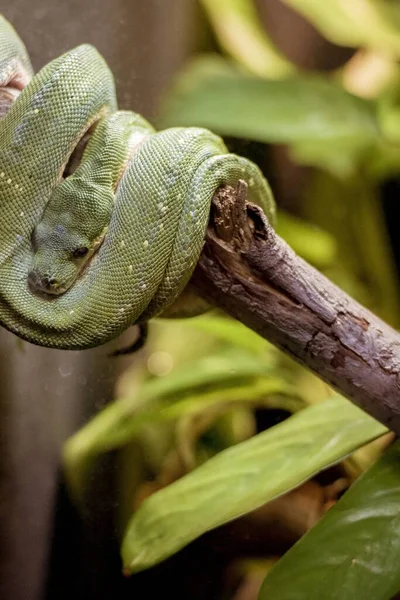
(237, 27)
(324, 124)
(368, 23)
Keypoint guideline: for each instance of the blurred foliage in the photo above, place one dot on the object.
(211, 422)
(255, 52)
(367, 23)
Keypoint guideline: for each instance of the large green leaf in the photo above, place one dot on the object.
(368, 23)
(239, 32)
(243, 478)
(324, 124)
(354, 551)
(214, 94)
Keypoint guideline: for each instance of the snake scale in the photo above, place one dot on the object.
(87, 252)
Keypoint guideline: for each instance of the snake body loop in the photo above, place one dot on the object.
(138, 203)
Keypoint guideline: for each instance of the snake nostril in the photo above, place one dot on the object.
(48, 281)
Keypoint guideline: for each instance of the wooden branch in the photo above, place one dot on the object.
(250, 272)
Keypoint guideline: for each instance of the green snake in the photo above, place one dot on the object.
(87, 251)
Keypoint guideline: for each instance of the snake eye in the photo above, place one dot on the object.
(80, 252)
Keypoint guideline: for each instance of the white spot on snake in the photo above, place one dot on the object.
(9, 180)
(122, 244)
(130, 268)
(179, 196)
(164, 209)
(16, 186)
(36, 111)
(21, 214)
(143, 286)
(161, 226)
(2, 174)
(71, 312)
(121, 310)
(146, 243)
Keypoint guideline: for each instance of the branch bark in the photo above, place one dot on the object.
(250, 272)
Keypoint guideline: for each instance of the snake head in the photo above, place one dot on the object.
(72, 228)
(60, 255)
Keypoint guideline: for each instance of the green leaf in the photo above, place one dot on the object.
(324, 124)
(214, 94)
(354, 551)
(232, 377)
(368, 23)
(236, 24)
(243, 478)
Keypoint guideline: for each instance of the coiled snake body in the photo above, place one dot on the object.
(87, 254)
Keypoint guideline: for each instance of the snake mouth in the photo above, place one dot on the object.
(45, 284)
(48, 285)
